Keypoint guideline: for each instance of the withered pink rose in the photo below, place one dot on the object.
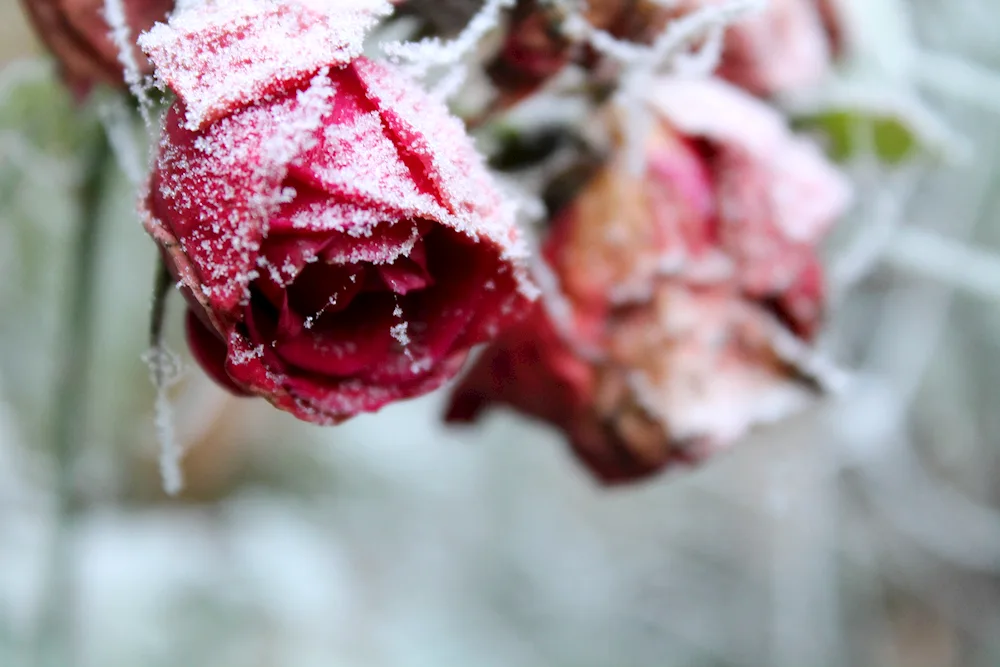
(339, 241)
(657, 341)
(790, 44)
(77, 34)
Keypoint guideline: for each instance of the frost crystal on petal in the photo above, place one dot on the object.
(222, 55)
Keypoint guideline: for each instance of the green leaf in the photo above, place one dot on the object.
(848, 133)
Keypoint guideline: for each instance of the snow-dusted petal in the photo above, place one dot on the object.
(429, 134)
(359, 159)
(221, 55)
(702, 365)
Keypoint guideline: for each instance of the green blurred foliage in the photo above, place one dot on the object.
(847, 133)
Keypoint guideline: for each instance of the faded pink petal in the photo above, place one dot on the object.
(783, 47)
(657, 345)
(805, 192)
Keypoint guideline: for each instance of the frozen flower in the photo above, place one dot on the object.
(339, 241)
(789, 44)
(670, 287)
(77, 34)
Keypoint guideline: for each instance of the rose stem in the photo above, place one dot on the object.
(54, 634)
(161, 287)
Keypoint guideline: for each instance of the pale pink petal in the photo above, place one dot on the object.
(807, 192)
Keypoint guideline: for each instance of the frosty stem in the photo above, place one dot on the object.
(163, 371)
(54, 637)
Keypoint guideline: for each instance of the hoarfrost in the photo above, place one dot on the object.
(165, 369)
(359, 158)
(234, 178)
(420, 58)
(332, 301)
(238, 355)
(457, 171)
(297, 131)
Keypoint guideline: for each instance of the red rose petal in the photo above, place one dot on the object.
(283, 257)
(358, 160)
(346, 344)
(210, 352)
(322, 399)
(383, 245)
(212, 184)
(322, 290)
(407, 274)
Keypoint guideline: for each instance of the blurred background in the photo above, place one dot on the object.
(864, 533)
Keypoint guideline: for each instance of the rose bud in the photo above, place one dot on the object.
(77, 34)
(672, 291)
(337, 237)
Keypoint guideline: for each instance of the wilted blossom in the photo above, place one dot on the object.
(340, 244)
(77, 34)
(669, 287)
(789, 44)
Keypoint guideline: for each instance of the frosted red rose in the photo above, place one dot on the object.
(675, 292)
(338, 239)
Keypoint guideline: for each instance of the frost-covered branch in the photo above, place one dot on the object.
(678, 35)
(426, 54)
(164, 370)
